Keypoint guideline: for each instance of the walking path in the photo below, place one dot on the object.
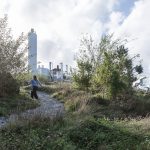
(49, 107)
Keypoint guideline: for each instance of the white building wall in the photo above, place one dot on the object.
(43, 71)
(32, 51)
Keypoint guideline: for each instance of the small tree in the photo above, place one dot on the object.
(85, 62)
(106, 67)
(12, 53)
(82, 77)
(115, 73)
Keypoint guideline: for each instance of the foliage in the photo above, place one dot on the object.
(82, 131)
(16, 103)
(106, 68)
(88, 134)
(85, 102)
(35, 134)
(8, 85)
(83, 76)
(12, 51)
(12, 57)
(91, 134)
(43, 79)
(114, 74)
(139, 69)
(23, 78)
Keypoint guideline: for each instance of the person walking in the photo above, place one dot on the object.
(35, 84)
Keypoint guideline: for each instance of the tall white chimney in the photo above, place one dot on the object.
(32, 51)
(50, 66)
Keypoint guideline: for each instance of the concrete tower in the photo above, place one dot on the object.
(32, 51)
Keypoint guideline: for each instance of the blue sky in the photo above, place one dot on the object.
(125, 6)
(60, 24)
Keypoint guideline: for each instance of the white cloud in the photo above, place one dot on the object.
(136, 26)
(116, 18)
(59, 24)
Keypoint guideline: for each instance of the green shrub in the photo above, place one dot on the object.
(92, 134)
(16, 103)
(8, 85)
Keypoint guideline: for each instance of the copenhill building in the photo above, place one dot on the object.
(32, 51)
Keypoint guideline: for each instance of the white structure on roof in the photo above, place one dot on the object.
(32, 51)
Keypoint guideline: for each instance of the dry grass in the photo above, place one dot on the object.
(31, 119)
(138, 125)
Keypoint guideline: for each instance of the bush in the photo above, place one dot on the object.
(8, 85)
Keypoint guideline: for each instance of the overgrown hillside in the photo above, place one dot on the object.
(103, 111)
(90, 122)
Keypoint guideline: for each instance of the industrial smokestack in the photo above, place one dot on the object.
(61, 67)
(66, 69)
(50, 66)
(57, 67)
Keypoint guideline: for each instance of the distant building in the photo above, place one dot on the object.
(56, 74)
(43, 72)
(32, 51)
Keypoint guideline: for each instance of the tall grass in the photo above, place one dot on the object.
(16, 103)
(91, 123)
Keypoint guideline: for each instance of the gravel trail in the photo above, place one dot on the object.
(49, 107)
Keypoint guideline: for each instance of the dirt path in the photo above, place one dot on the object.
(49, 107)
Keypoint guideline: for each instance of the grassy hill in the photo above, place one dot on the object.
(90, 123)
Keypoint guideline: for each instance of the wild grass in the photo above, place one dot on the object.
(90, 123)
(78, 101)
(16, 103)
(72, 133)
(35, 133)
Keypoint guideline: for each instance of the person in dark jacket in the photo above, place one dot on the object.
(35, 84)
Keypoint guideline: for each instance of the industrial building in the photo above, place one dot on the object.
(53, 74)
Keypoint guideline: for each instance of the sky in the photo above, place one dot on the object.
(60, 24)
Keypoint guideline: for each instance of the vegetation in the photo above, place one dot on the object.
(12, 57)
(91, 122)
(43, 79)
(8, 85)
(103, 111)
(16, 103)
(106, 68)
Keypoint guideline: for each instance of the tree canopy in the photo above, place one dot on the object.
(12, 58)
(106, 67)
(12, 51)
